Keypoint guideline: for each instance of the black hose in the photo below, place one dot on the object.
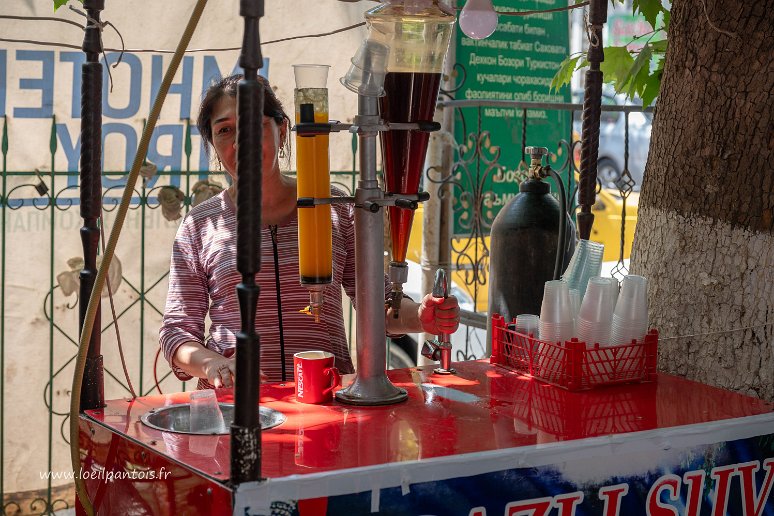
(560, 245)
(273, 230)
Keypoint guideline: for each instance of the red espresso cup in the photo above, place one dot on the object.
(316, 378)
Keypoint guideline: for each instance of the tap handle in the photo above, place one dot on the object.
(441, 289)
(441, 284)
(431, 350)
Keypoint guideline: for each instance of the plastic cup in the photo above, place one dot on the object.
(596, 313)
(556, 307)
(633, 299)
(369, 66)
(372, 55)
(311, 75)
(630, 319)
(205, 412)
(556, 312)
(528, 324)
(585, 263)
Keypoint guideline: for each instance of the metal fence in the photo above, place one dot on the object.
(34, 207)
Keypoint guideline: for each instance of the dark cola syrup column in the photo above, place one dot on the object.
(417, 34)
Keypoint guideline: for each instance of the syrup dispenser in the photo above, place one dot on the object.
(417, 33)
(313, 181)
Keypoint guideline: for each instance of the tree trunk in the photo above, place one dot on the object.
(704, 236)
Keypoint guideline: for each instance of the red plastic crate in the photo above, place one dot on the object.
(571, 365)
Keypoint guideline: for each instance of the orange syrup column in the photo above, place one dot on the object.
(313, 169)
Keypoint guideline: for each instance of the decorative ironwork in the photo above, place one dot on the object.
(476, 164)
(625, 185)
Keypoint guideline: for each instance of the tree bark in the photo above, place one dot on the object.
(704, 235)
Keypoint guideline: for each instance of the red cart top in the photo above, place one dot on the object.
(481, 408)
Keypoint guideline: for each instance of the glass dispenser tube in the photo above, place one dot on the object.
(417, 33)
(313, 176)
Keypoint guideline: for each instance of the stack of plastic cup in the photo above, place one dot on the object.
(557, 325)
(369, 66)
(556, 313)
(528, 324)
(596, 313)
(585, 263)
(630, 319)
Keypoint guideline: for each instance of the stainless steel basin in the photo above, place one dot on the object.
(176, 418)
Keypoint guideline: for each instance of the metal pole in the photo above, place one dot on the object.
(446, 190)
(93, 385)
(246, 428)
(592, 102)
(371, 386)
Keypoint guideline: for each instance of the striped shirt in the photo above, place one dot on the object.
(203, 274)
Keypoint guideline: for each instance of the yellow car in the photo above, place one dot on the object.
(606, 230)
(607, 223)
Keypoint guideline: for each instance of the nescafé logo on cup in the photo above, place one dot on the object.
(300, 380)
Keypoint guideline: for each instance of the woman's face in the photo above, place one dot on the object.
(223, 125)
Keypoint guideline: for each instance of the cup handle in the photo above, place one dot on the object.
(335, 379)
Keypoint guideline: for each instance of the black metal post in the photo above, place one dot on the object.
(246, 429)
(93, 386)
(592, 103)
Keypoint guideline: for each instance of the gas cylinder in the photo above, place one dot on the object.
(524, 240)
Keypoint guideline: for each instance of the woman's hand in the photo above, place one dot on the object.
(200, 362)
(220, 372)
(438, 315)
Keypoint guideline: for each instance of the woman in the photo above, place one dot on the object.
(203, 275)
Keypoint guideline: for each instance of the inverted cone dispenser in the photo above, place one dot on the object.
(417, 34)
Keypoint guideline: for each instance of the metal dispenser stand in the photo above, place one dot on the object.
(371, 385)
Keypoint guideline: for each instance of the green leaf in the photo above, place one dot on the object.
(615, 68)
(659, 46)
(59, 3)
(650, 9)
(564, 74)
(666, 20)
(652, 87)
(639, 72)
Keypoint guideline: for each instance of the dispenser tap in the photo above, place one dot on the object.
(316, 301)
(440, 349)
(398, 275)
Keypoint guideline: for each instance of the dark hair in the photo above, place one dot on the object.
(228, 86)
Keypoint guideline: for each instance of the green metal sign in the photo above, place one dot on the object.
(515, 63)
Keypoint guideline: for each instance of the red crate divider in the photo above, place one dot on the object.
(572, 365)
